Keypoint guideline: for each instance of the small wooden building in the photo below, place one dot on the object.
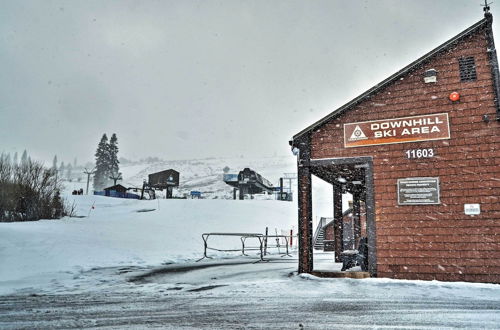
(118, 191)
(420, 152)
(118, 188)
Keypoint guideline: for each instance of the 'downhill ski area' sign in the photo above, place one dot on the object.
(397, 130)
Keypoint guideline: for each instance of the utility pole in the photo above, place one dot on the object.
(89, 173)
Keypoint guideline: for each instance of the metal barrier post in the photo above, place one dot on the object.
(242, 238)
(205, 244)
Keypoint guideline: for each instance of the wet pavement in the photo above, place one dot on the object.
(243, 295)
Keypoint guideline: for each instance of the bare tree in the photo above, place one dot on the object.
(29, 191)
(115, 177)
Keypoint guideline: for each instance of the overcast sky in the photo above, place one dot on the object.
(192, 79)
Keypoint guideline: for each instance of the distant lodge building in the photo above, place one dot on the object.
(420, 152)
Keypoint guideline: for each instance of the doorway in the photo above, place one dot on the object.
(348, 226)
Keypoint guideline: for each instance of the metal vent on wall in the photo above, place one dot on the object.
(467, 68)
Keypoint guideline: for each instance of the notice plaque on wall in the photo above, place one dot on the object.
(472, 209)
(397, 130)
(418, 191)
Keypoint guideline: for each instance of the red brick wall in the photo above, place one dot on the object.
(329, 230)
(329, 233)
(434, 241)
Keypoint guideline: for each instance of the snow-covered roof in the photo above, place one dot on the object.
(117, 187)
(165, 171)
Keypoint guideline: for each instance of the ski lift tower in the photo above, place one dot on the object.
(167, 179)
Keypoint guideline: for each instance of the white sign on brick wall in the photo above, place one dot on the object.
(472, 209)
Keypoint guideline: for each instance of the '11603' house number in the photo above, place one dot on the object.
(420, 153)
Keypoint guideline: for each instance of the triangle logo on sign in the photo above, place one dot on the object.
(357, 134)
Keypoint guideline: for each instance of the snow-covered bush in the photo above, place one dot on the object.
(29, 191)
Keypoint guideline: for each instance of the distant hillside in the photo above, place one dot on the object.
(205, 175)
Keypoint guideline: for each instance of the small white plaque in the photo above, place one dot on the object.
(472, 209)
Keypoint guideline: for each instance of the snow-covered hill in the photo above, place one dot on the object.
(205, 175)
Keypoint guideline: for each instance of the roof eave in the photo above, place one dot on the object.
(394, 77)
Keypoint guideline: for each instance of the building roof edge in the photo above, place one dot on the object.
(470, 30)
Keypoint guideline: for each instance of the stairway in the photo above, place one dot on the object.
(318, 242)
(319, 234)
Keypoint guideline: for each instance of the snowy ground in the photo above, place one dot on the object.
(37, 255)
(131, 264)
(236, 294)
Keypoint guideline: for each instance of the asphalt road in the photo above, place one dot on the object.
(232, 301)
(233, 312)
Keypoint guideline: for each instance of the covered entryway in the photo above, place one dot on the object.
(346, 175)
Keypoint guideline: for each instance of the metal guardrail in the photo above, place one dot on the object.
(243, 237)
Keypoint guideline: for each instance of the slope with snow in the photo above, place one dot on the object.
(205, 175)
(127, 232)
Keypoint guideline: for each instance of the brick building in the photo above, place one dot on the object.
(420, 153)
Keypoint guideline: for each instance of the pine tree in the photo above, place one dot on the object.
(14, 161)
(113, 155)
(102, 164)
